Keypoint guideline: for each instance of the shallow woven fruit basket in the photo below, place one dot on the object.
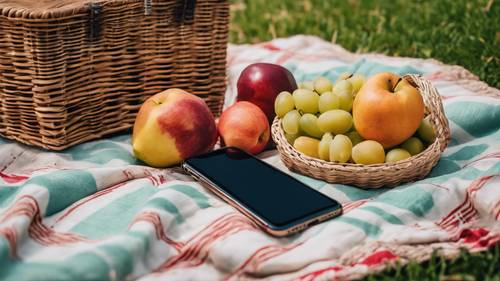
(378, 175)
(76, 70)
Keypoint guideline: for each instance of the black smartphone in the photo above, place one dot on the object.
(277, 202)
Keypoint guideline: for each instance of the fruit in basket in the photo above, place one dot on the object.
(306, 100)
(283, 104)
(244, 125)
(328, 101)
(290, 122)
(324, 147)
(308, 146)
(322, 85)
(343, 76)
(309, 125)
(357, 81)
(426, 131)
(340, 149)
(387, 109)
(413, 145)
(396, 154)
(368, 152)
(260, 83)
(343, 89)
(172, 126)
(291, 137)
(335, 121)
(309, 85)
(355, 137)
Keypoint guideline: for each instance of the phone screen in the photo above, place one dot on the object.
(268, 192)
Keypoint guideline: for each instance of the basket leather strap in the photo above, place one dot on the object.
(184, 11)
(148, 7)
(95, 10)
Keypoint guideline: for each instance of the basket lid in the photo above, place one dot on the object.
(43, 9)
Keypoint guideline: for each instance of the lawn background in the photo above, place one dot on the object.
(460, 32)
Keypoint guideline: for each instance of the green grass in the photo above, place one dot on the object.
(467, 267)
(460, 32)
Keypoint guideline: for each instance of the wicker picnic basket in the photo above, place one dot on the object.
(76, 70)
(377, 175)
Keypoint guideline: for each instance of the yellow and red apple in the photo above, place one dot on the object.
(387, 109)
(244, 125)
(172, 126)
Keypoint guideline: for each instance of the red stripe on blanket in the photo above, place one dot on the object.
(48, 236)
(473, 235)
(315, 274)
(459, 216)
(225, 228)
(195, 252)
(10, 234)
(465, 211)
(378, 258)
(269, 46)
(374, 259)
(260, 256)
(11, 178)
(487, 156)
(283, 58)
(478, 184)
(27, 205)
(155, 220)
(479, 238)
(353, 205)
(256, 255)
(496, 210)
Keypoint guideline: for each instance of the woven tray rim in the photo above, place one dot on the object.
(428, 158)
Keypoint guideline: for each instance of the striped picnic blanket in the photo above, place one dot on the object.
(93, 212)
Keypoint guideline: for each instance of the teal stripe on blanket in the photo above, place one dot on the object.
(162, 203)
(82, 266)
(363, 66)
(478, 119)
(111, 260)
(65, 187)
(409, 197)
(368, 228)
(101, 152)
(199, 198)
(116, 216)
(383, 214)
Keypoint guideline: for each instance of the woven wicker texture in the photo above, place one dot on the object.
(72, 71)
(378, 175)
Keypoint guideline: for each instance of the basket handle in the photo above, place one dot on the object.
(433, 101)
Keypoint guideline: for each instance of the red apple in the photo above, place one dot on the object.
(244, 125)
(260, 83)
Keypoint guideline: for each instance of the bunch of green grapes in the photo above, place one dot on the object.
(317, 121)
